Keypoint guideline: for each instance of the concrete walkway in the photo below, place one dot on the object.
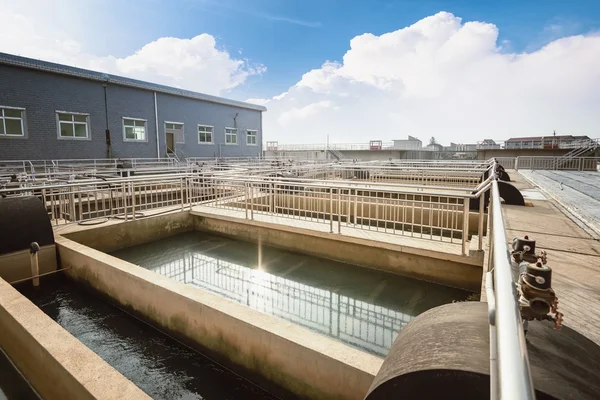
(577, 191)
(573, 255)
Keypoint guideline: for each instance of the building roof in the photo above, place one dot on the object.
(24, 62)
(534, 138)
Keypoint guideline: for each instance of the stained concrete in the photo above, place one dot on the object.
(305, 363)
(57, 365)
(446, 269)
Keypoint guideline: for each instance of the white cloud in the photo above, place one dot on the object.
(440, 77)
(194, 64)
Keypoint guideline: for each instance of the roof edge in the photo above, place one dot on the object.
(61, 69)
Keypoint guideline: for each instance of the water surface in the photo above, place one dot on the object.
(158, 364)
(361, 307)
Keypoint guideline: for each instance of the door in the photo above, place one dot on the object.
(170, 142)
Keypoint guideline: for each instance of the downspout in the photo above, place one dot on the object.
(107, 132)
(156, 119)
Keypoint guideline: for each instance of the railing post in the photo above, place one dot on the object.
(480, 227)
(246, 193)
(132, 188)
(251, 202)
(465, 233)
(182, 197)
(339, 211)
(330, 210)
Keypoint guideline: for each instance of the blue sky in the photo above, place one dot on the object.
(293, 37)
(480, 69)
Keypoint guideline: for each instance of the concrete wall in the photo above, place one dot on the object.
(487, 154)
(43, 93)
(443, 268)
(17, 265)
(57, 365)
(305, 363)
(351, 210)
(118, 235)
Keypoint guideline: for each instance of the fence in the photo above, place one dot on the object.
(425, 212)
(558, 163)
(418, 212)
(510, 374)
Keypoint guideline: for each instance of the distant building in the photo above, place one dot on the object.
(435, 147)
(412, 143)
(461, 147)
(545, 142)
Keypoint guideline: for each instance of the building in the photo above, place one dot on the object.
(463, 147)
(411, 144)
(545, 142)
(53, 111)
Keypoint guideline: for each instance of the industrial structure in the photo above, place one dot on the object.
(53, 111)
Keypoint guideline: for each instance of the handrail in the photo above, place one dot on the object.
(514, 375)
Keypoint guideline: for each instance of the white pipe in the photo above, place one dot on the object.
(156, 119)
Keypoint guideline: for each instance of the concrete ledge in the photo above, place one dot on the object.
(303, 362)
(443, 268)
(17, 265)
(57, 365)
(118, 235)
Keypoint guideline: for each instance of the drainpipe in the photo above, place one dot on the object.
(156, 119)
(107, 132)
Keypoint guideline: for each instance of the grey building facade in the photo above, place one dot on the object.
(51, 111)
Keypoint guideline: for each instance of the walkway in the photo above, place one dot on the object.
(573, 254)
(578, 192)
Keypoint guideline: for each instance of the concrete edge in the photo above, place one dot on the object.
(568, 211)
(306, 363)
(56, 364)
(476, 261)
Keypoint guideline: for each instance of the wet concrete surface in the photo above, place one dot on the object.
(13, 385)
(161, 366)
(361, 307)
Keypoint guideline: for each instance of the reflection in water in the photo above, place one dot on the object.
(156, 363)
(360, 307)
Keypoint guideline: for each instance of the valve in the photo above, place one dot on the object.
(537, 299)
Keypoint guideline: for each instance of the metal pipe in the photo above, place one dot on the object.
(514, 374)
(38, 276)
(156, 120)
(34, 248)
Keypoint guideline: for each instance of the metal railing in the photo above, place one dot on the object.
(434, 213)
(558, 163)
(510, 374)
(547, 142)
(415, 211)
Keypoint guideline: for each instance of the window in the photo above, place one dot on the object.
(205, 134)
(134, 130)
(11, 122)
(72, 125)
(251, 137)
(230, 136)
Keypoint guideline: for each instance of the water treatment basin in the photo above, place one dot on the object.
(360, 307)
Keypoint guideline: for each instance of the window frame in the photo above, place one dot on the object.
(125, 139)
(236, 136)
(182, 130)
(5, 135)
(212, 134)
(255, 135)
(88, 127)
